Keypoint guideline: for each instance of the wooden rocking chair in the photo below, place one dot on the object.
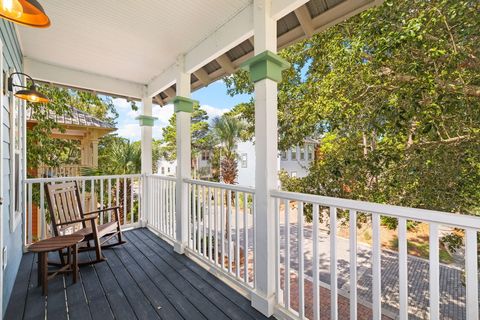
(67, 217)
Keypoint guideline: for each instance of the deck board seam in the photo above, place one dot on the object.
(139, 288)
(90, 254)
(173, 285)
(161, 244)
(188, 281)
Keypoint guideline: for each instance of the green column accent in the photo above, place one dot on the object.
(266, 65)
(146, 121)
(183, 104)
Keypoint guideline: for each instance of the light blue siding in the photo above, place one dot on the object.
(12, 58)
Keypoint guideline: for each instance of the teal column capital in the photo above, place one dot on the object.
(183, 104)
(146, 121)
(265, 65)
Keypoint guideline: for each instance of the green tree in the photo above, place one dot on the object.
(201, 139)
(227, 131)
(393, 94)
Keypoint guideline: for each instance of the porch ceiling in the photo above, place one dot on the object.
(129, 48)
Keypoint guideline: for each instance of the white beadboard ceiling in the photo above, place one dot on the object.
(131, 40)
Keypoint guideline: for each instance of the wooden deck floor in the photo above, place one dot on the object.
(143, 279)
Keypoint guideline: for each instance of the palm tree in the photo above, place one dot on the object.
(117, 156)
(227, 131)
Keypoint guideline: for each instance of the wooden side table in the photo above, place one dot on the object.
(43, 247)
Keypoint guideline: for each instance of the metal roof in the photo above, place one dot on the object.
(75, 117)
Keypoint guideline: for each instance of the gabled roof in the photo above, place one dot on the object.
(75, 118)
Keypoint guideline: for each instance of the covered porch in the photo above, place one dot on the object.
(199, 249)
(144, 279)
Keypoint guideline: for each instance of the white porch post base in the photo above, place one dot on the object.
(179, 247)
(264, 304)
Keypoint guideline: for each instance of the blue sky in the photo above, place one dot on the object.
(213, 99)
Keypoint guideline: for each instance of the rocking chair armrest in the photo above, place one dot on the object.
(102, 210)
(92, 218)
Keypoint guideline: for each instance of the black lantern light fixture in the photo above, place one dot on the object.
(26, 12)
(28, 93)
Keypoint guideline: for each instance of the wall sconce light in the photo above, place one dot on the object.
(28, 93)
(26, 12)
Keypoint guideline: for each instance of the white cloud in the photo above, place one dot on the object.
(213, 112)
(129, 130)
(122, 104)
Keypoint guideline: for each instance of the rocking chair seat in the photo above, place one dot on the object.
(103, 230)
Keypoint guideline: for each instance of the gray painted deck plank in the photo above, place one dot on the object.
(221, 286)
(16, 308)
(227, 306)
(143, 279)
(156, 297)
(205, 306)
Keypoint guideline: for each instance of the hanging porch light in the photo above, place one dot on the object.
(25, 12)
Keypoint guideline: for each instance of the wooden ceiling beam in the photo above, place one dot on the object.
(203, 76)
(303, 16)
(226, 64)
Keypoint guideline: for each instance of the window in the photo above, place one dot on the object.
(163, 170)
(16, 107)
(293, 153)
(243, 159)
(302, 153)
(310, 152)
(294, 174)
(283, 155)
(168, 169)
(205, 155)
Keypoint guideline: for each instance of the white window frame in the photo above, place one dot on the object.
(16, 145)
(293, 154)
(244, 160)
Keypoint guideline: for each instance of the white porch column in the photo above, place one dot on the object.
(183, 111)
(146, 123)
(265, 71)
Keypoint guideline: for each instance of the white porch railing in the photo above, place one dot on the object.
(160, 201)
(95, 192)
(221, 228)
(293, 240)
(315, 260)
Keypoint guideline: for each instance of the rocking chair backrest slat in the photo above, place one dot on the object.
(64, 203)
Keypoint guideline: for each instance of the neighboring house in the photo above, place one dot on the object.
(295, 161)
(79, 126)
(201, 164)
(166, 167)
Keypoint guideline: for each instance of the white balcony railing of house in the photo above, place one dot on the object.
(70, 170)
(311, 271)
(95, 192)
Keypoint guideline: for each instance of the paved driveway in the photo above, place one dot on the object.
(452, 295)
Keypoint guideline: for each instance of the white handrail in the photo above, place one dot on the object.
(451, 219)
(232, 187)
(80, 178)
(158, 176)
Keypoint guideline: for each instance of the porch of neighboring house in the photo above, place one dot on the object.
(80, 127)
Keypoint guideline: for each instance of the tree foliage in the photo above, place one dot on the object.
(227, 131)
(201, 140)
(393, 94)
